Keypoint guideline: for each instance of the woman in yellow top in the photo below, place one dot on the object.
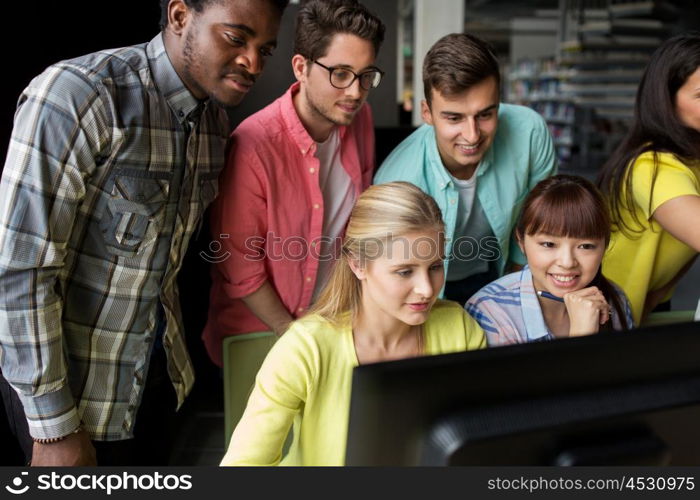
(380, 304)
(652, 180)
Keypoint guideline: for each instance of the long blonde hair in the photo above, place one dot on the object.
(382, 212)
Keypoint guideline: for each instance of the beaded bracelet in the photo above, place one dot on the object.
(56, 439)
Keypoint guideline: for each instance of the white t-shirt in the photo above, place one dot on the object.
(338, 200)
(471, 229)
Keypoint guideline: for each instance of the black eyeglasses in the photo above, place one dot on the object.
(342, 78)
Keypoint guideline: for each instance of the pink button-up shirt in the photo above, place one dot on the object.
(268, 218)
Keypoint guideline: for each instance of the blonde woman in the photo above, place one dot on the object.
(380, 304)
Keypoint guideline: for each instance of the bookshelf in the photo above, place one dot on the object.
(586, 89)
(604, 48)
(537, 83)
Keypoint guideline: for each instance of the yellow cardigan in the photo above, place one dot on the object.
(306, 381)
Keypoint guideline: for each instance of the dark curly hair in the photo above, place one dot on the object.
(200, 5)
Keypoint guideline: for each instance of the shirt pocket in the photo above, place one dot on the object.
(135, 212)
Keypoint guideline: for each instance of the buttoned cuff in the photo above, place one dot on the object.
(51, 415)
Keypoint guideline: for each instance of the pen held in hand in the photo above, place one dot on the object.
(548, 295)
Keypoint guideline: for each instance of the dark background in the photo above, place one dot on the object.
(41, 33)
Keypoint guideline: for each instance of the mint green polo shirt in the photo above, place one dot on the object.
(521, 155)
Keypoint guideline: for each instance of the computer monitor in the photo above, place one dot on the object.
(622, 398)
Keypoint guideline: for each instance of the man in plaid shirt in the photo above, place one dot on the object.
(113, 158)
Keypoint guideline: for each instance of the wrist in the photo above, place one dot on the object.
(582, 332)
(282, 324)
(280, 328)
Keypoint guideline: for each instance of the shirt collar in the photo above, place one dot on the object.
(536, 328)
(436, 166)
(296, 129)
(487, 160)
(181, 101)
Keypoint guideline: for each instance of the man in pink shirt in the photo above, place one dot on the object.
(293, 174)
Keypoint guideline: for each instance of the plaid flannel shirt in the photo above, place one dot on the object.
(111, 164)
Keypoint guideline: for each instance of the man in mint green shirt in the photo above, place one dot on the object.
(477, 157)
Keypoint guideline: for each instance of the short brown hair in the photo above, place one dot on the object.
(456, 62)
(319, 20)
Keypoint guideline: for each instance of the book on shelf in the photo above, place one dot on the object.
(658, 9)
(592, 14)
(637, 26)
(614, 74)
(603, 101)
(600, 88)
(614, 113)
(612, 42)
(604, 59)
(623, 26)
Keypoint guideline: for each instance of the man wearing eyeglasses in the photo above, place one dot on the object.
(293, 174)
